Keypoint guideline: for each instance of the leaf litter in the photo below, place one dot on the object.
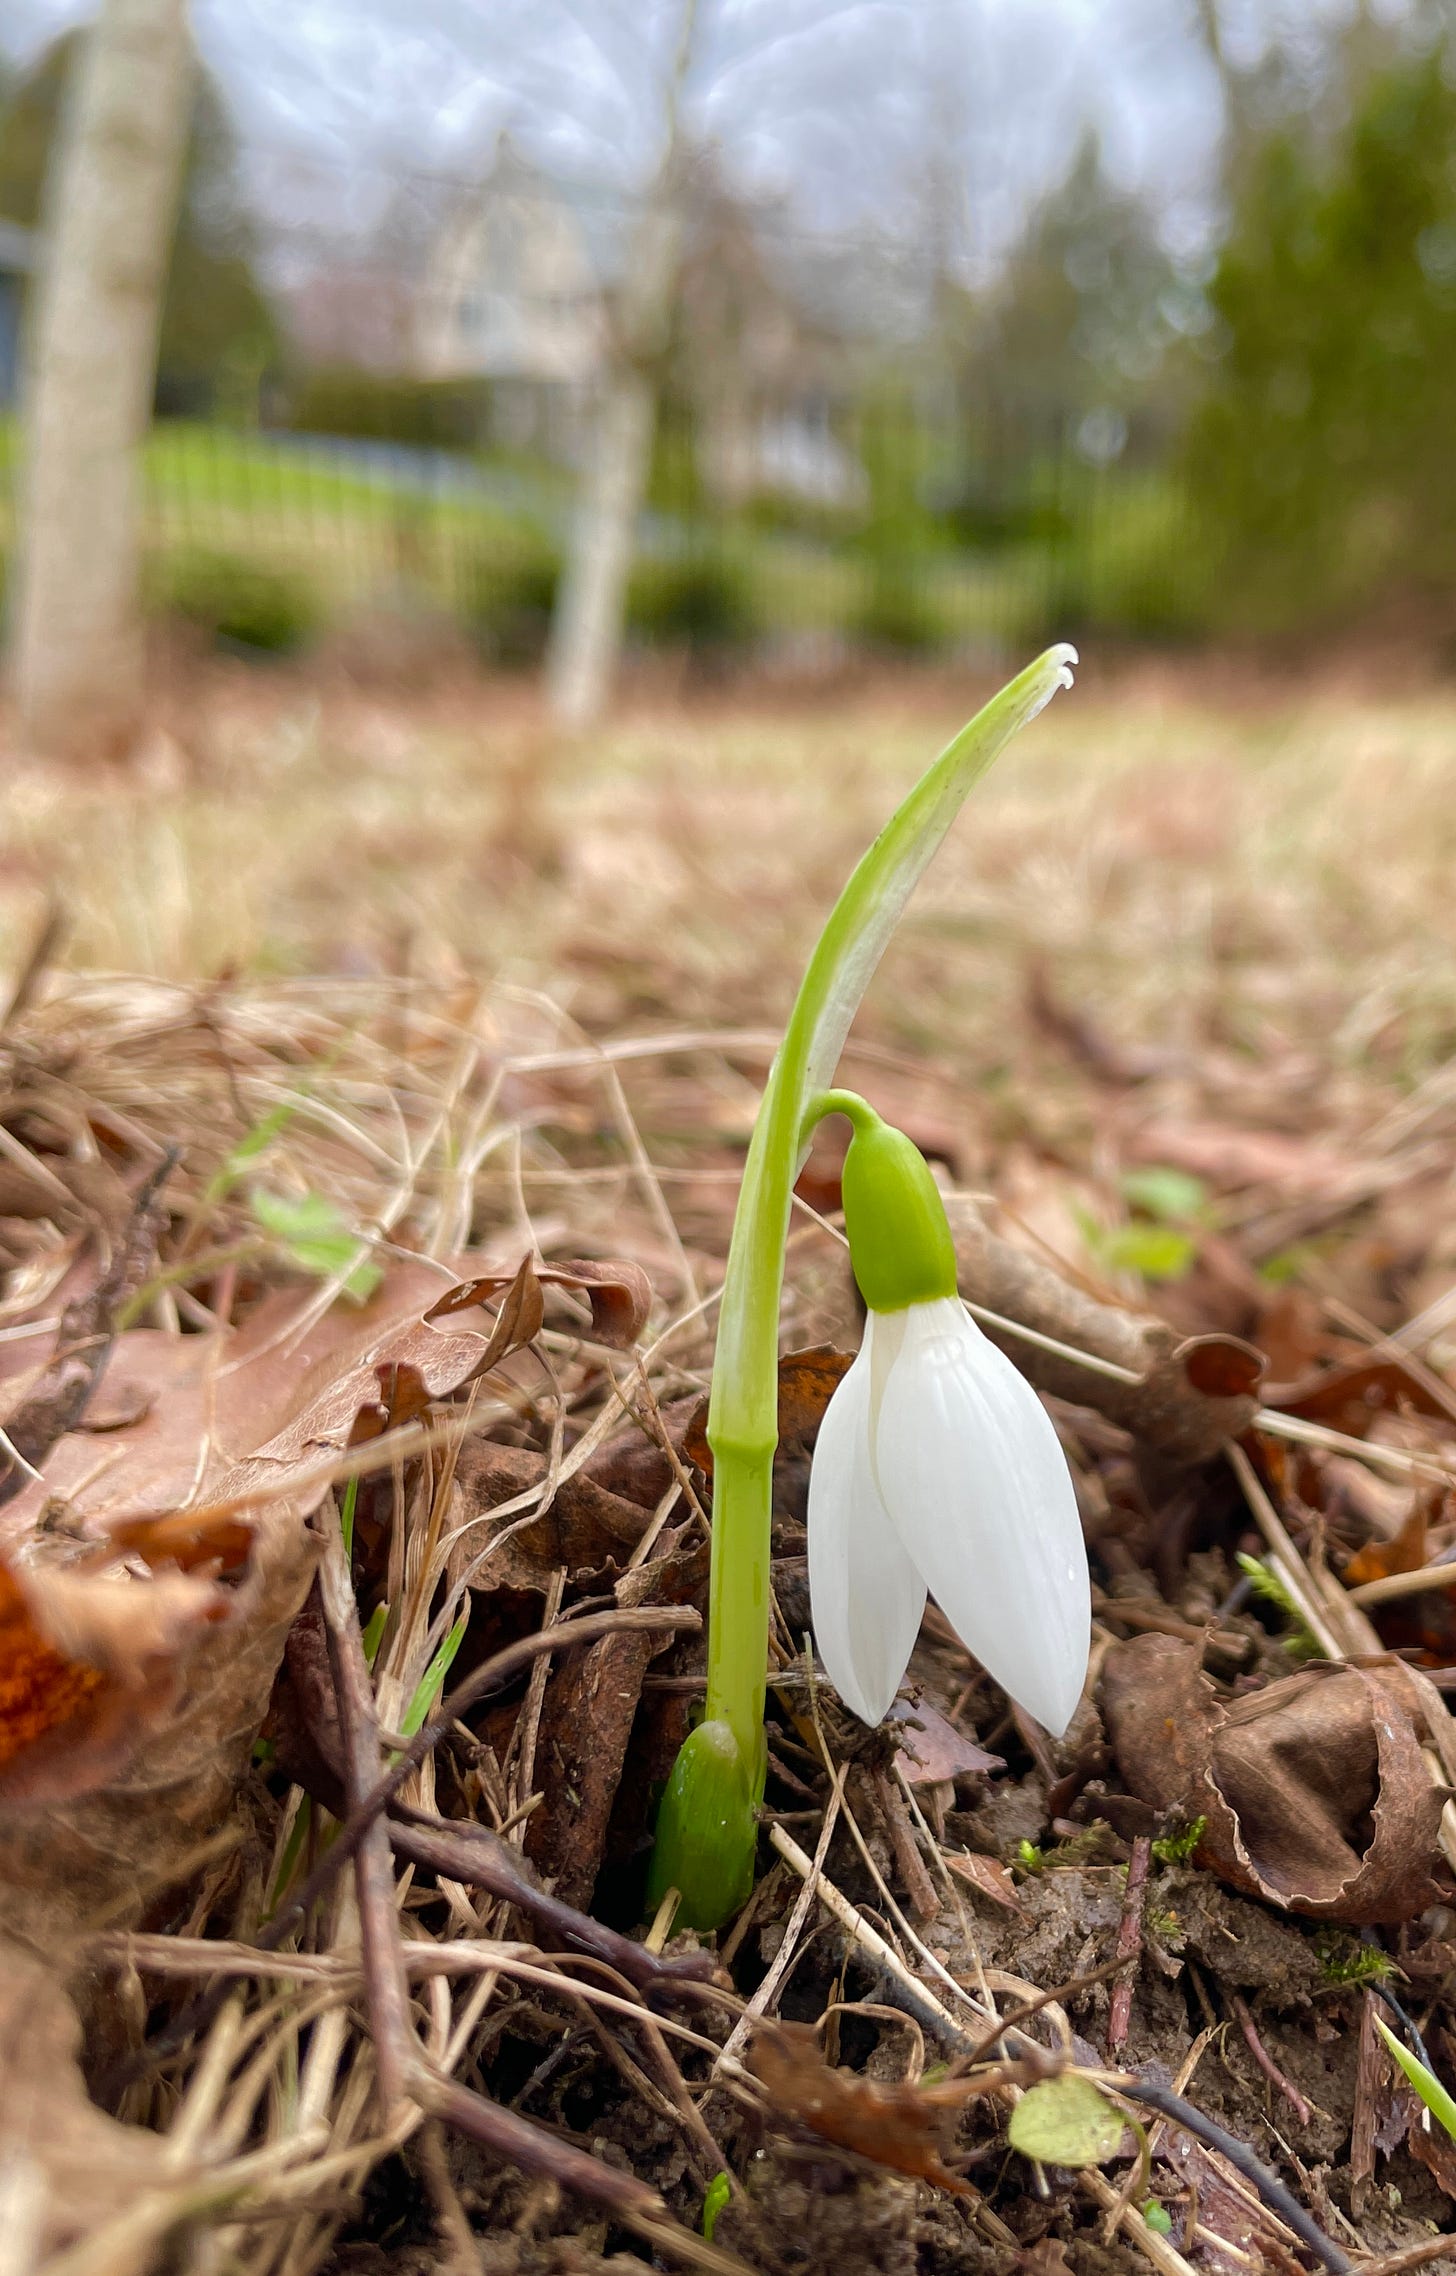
(336, 1853)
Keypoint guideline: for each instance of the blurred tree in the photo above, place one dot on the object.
(1069, 351)
(111, 203)
(218, 334)
(589, 620)
(1321, 459)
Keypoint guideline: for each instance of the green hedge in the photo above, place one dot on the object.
(698, 601)
(238, 603)
(446, 414)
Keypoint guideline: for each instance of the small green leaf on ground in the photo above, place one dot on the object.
(1173, 1197)
(1066, 2121)
(317, 1236)
(1155, 1252)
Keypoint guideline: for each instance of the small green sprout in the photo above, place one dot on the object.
(432, 1682)
(374, 1634)
(1177, 1848)
(1437, 2100)
(1156, 2217)
(715, 2202)
(346, 1515)
(1030, 1858)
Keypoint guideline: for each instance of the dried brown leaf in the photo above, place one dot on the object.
(932, 1750)
(988, 1875)
(808, 1381)
(126, 1736)
(898, 2126)
(1314, 1792)
(619, 1294)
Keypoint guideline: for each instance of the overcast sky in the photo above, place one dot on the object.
(851, 107)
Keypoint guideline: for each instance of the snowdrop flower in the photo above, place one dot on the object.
(936, 1469)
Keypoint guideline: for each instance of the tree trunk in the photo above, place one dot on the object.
(587, 626)
(111, 206)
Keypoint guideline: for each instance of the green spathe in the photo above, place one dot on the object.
(707, 1830)
(894, 1219)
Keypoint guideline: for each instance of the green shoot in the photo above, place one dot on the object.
(707, 1826)
(719, 2192)
(1441, 2105)
(249, 1147)
(432, 1682)
(346, 1516)
(374, 1634)
(293, 1850)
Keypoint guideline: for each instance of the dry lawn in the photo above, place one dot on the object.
(1189, 853)
(1191, 924)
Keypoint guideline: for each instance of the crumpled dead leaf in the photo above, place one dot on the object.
(932, 1750)
(121, 1737)
(897, 2126)
(1314, 1792)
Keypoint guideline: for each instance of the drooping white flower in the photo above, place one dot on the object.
(937, 1469)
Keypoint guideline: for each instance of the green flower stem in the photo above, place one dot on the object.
(707, 1830)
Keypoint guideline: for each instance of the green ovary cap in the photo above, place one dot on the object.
(899, 1240)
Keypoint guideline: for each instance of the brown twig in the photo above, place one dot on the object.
(919, 1887)
(1128, 1949)
(1266, 2061)
(1278, 2199)
(385, 1989)
(472, 1854)
(519, 2142)
(1370, 2065)
(1410, 2256)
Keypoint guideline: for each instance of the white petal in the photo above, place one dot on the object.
(866, 1594)
(980, 1494)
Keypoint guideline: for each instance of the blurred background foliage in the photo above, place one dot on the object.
(1108, 435)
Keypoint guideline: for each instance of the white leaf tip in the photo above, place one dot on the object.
(1055, 668)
